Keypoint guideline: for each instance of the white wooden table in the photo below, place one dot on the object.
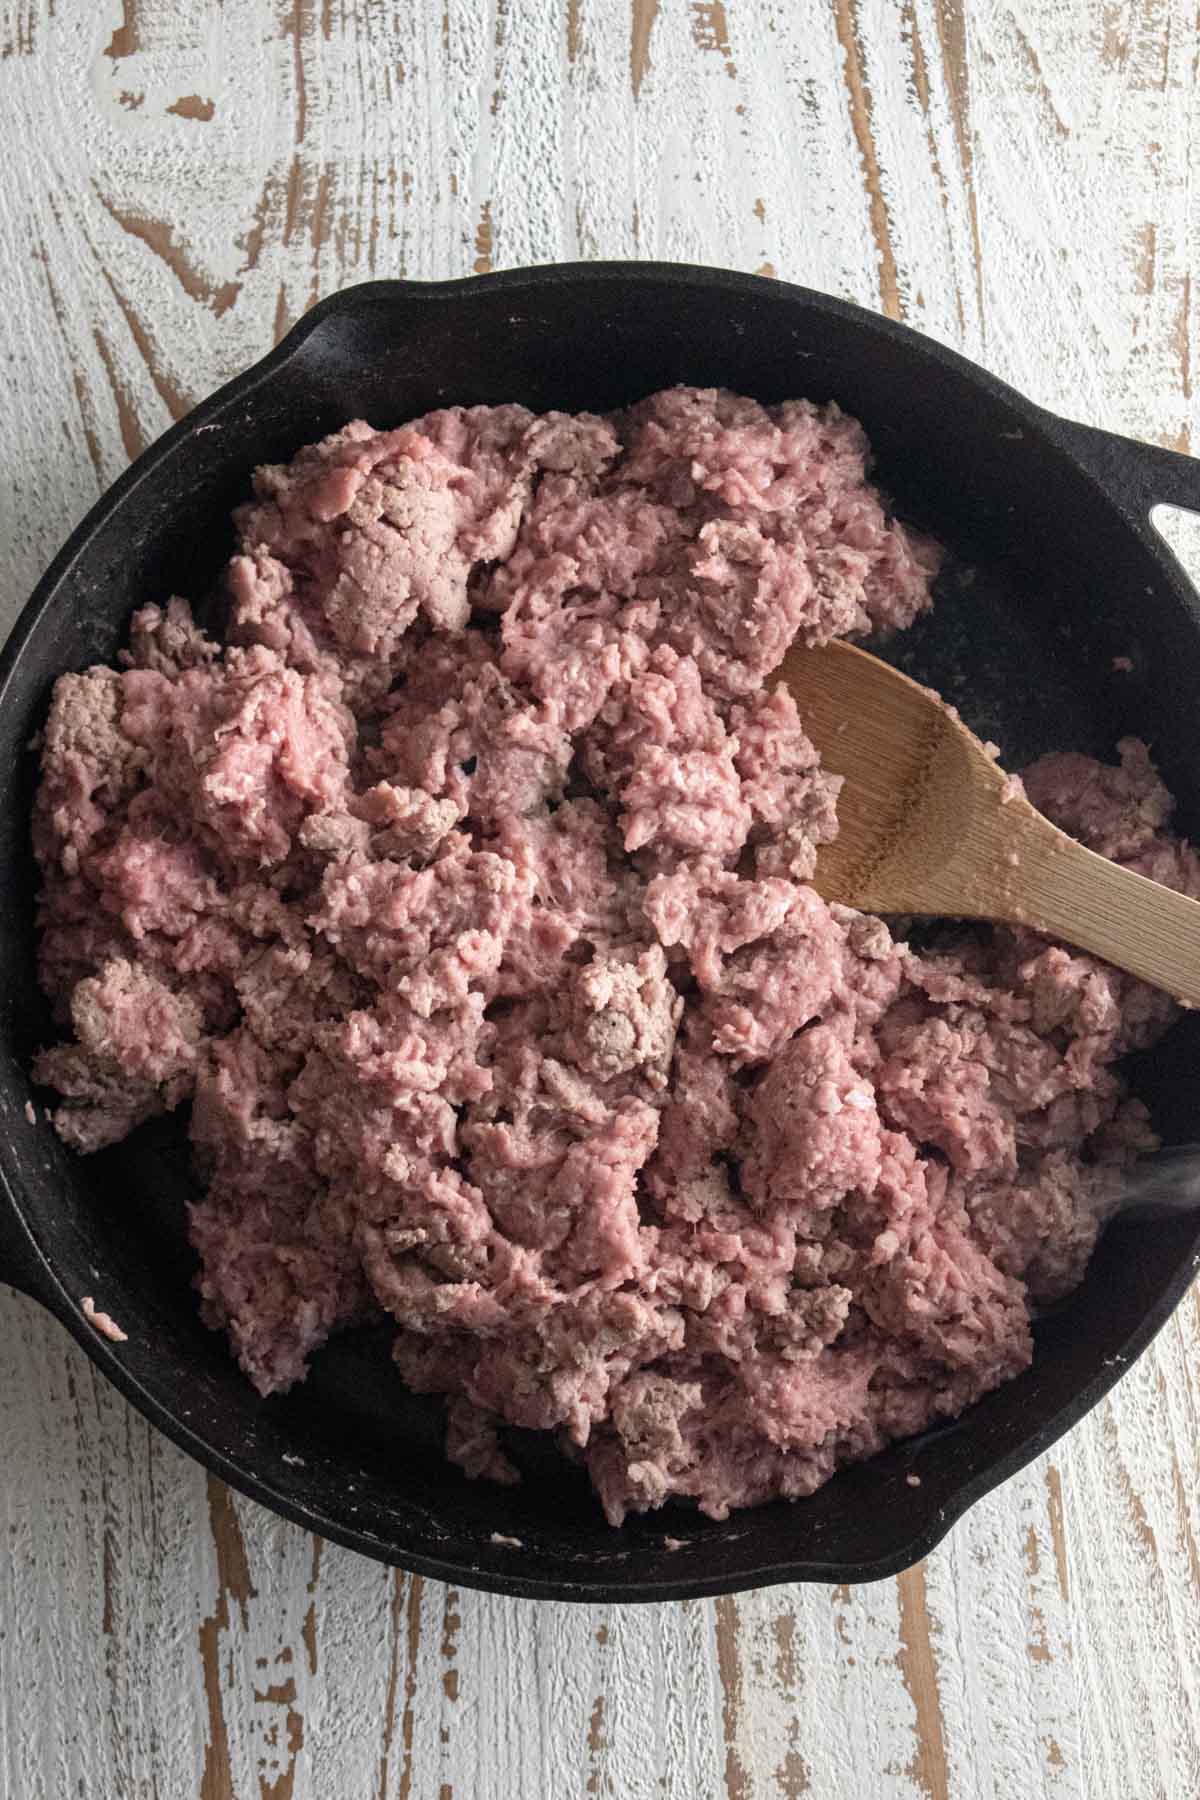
(181, 179)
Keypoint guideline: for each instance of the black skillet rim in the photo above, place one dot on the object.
(1120, 469)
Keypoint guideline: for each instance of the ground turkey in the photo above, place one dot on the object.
(462, 889)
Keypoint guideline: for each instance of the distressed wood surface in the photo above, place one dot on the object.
(181, 180)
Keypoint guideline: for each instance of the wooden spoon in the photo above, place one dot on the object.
(931, 824)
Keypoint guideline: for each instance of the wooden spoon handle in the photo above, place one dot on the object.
(1149, 930)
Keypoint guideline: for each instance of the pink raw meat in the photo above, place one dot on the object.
(463, 890)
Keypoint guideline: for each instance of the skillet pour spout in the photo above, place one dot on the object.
(1061, 621)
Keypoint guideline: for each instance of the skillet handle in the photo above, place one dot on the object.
(21, 1265)
(1138, 476)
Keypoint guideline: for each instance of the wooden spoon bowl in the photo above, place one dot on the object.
(931, 824)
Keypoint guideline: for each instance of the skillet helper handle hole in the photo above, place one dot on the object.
(1138, 476)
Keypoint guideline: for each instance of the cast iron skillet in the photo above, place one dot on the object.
(1057, 571)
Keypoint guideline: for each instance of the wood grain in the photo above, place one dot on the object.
(1016, 177)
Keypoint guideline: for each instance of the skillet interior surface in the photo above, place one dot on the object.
(1049, 580)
